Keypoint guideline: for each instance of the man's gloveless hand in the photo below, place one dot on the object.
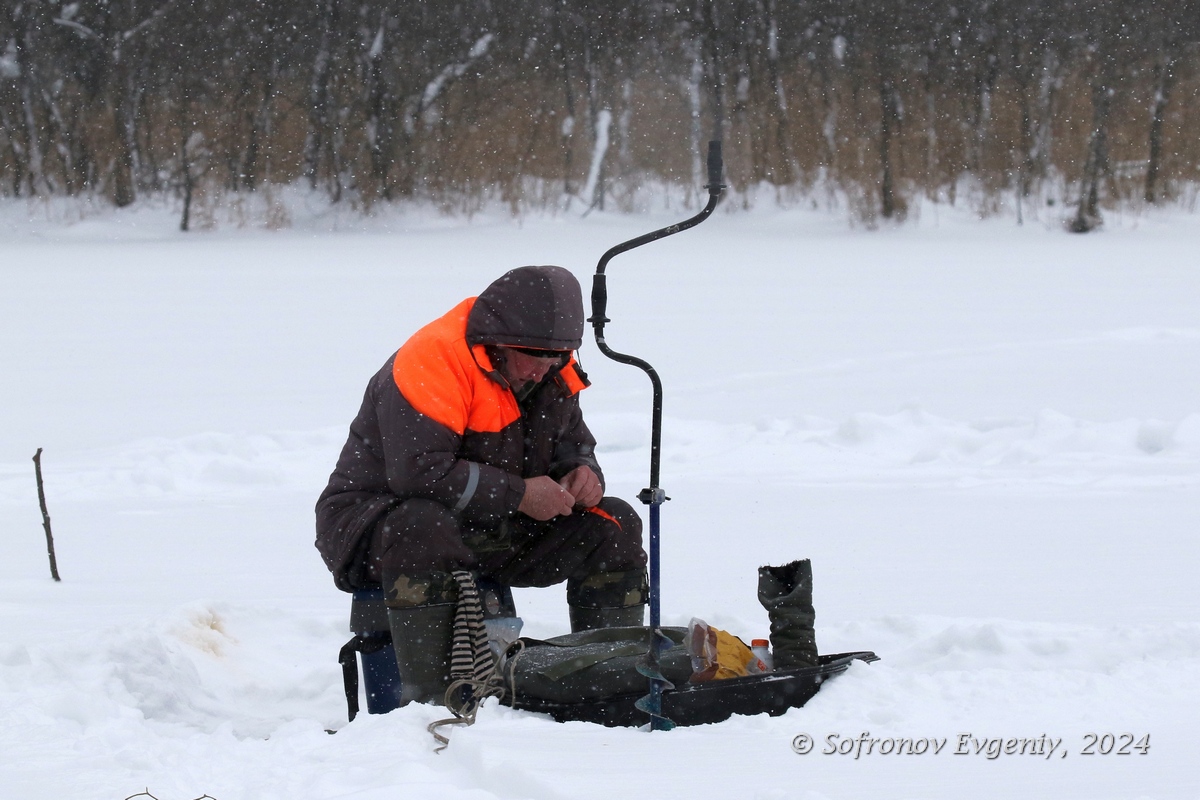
(583, 485)
(544, 499)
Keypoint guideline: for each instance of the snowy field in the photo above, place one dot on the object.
(986, 437)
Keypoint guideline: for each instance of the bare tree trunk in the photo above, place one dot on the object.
(1025, 165)
(145, 162)
(10, 129)
(1095, 168)
(260, 129)
(889, 123)
(600, 116)
(566, 130)
(185, 166)
(715, 66)
(566, 133)
(1043, 130)
(193, 155)
(123, 134)
(337, 154)
(828, 111)
(379, 130)
(26, 80)
(1164, 82)
(746, 114)
(884, 63)
(1025, 47)
(984, 72)
(65, 137)
(931, 90)
(981, 121)
(317, 136)
(593, 190)
(779, 112)
(624, 122)
(695, 106)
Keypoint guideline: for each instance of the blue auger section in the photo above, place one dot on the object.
(650, 666)
(657, 721)
(652, 703)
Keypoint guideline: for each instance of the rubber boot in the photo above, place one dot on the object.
(786, 593)
(583, 619)
(421, 636)
(608, 600)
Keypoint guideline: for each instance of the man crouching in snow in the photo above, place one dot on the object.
(470, 453)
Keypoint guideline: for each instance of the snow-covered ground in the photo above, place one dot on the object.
(986, 437)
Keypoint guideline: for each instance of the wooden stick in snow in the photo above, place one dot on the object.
(37, 468)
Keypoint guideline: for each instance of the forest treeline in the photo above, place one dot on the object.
(532, 102)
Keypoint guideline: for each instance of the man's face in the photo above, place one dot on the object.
(521, 366)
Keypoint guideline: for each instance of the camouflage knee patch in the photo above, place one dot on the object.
(428, 589)
(489, 540)
(609, 590)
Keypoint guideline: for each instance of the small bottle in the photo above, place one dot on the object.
(762, 651)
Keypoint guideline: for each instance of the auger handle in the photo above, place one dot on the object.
(714, 185)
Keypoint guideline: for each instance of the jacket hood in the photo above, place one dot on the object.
(538, 307)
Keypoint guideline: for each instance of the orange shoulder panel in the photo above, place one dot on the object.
(575, 384)
(438, 375)
(494, 407)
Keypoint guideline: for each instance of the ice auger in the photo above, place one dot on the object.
(653, 495)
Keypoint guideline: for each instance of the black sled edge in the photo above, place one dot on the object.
(704, 703)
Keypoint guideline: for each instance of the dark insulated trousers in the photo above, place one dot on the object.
(419, 537)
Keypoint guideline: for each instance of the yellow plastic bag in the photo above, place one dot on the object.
(716, 654)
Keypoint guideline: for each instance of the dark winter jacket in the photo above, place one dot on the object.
(440, 422)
